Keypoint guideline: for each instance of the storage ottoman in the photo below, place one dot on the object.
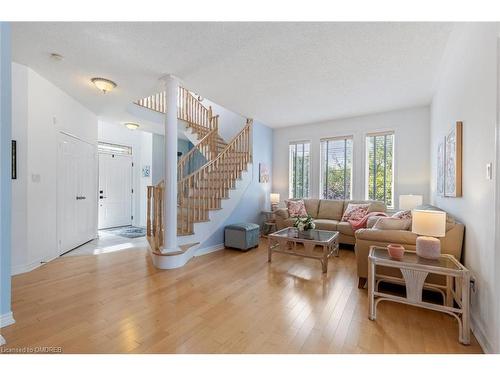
(242, 236)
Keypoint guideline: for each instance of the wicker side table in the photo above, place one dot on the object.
(415, 270)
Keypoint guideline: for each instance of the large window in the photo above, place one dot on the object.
(336, 168)
(380, 167)
(299, 170)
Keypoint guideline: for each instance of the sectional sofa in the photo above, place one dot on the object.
(327, 215)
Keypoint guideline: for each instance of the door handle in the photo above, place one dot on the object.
(80, 198)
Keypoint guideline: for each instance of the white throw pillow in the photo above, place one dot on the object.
(391, 223)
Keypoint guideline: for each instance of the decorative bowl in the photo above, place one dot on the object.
(396, 251)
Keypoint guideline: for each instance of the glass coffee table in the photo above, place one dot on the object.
(285, 241)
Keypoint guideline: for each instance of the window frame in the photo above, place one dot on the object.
(367, 165)
(323, 172)
(291, 185)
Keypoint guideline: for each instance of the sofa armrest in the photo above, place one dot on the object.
(282, 213)
(388, 236)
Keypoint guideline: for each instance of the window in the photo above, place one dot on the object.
(380, 167)
(110, 148)
(299, 170)
(336, 168)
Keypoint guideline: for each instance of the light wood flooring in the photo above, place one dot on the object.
(224, 302)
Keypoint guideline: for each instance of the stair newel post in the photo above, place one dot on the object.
(148, 213)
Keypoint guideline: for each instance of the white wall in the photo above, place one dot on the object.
(467, 92)
(411, 127)
(40, 111)
(142, 145)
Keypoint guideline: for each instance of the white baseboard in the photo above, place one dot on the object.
(23, 268)
(2, 341)
(209, 249)
(480, 336)
(6, 319)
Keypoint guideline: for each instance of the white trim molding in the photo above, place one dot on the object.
(6, 319)
(480, 336)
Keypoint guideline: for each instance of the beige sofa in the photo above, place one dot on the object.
(327, 215)
(365, 238)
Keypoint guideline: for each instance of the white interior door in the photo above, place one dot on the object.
(76, 197)
(115, 190)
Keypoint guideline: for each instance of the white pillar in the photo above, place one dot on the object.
(171, 85)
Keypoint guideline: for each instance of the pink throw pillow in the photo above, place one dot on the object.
(355, 211)
(296, 208)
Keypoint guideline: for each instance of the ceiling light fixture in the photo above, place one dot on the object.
(103, 84)
(56, 56)
(132, 125)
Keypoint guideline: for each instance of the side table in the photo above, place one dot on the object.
(415, 270)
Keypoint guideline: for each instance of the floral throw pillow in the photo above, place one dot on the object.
(296, 208)
(406, 214)
(355, 211)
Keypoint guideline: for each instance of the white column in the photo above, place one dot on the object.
(171, 85)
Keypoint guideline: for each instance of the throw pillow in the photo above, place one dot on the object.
(392, 223)
(296, 208)
(406, 214)
(355, 211)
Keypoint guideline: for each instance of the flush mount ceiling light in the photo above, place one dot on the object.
(56, 56)
(131, 125)
(103, 84)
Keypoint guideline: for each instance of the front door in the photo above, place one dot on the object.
(115, 190)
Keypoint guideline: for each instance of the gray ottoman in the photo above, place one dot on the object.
(242, 236)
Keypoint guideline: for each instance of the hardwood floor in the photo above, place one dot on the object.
(224, 302)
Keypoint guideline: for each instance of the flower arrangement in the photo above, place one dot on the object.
(304, 223)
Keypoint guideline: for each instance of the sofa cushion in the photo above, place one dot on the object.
(296, 208)
(345, 228)
(388, 236)
(312, 206)
(392, 223)
(375, 206)
(326, 224)
(330, 209)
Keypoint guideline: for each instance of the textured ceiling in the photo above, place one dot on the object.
(278, 73)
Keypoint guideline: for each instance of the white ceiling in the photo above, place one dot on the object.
(278, 73)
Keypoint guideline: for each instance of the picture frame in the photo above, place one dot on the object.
(453, 162)
(440, 167)
(263, 173)
(14, 160)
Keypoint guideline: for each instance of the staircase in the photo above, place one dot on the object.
(205, 174)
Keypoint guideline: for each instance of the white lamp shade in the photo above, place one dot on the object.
(409, 202)
(429, 223)
(275, 198)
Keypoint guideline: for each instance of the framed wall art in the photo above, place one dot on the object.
(453, 162)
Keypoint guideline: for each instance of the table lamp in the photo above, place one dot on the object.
(275, 200)
(410, 201)
(428, 225)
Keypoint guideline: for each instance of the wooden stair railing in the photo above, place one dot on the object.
(189, 108)
(201, 191)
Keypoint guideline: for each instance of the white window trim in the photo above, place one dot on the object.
(295, 142)
(394, 164)
(336, 138)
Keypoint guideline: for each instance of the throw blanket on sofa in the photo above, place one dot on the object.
(361, 223)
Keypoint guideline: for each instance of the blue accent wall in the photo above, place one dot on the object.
(5, 167)
(256, 197)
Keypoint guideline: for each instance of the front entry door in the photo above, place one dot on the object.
(115, 190)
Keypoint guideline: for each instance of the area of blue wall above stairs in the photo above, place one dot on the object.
(256, 197)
